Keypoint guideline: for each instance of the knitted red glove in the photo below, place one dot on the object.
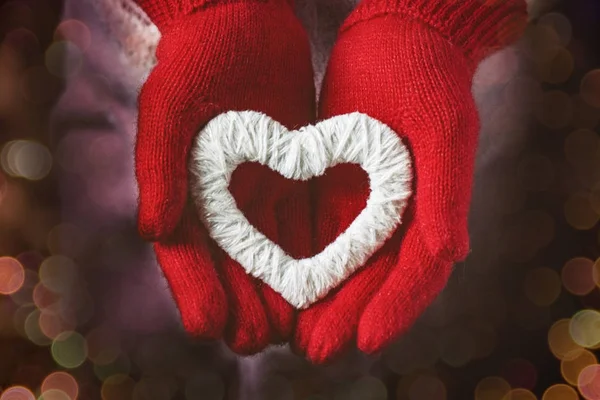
(216, 56)
(409, 64)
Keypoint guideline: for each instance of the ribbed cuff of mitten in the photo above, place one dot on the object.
(163, 12)
(478, 27)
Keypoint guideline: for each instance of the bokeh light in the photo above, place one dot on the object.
(44, 297)
(585, 328)
(17, 393)
(120, 366)
(26, 159)
(485, 337)
(58, 273)
(560, 24)
(544, 43)
(69, 349)
(24, 295)
(577, 276)
(54, 394)
(590, 88)
(520, 394)
(561, 343)
(103, 346)
(362, 387)
(596, 272)
(10, 64)
(33, 331)
(492, 388)
(52, 324)
(588, 382)
(117, 387)
(579, 211)
(457, 346)
(427, 388)
(57, 53)
(23, 42)
(33, 161)
(61, 381)
(558, 70)
(560, 392)
(404, 384)
(571, 369)
(20, 316)
(74, 31)
(12, 275)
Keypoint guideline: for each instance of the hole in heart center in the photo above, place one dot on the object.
(301, 217)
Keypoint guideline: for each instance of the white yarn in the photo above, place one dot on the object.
(233, 138)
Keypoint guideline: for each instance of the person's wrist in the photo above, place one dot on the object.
(420, 46)
(477, 28)
(165, 13)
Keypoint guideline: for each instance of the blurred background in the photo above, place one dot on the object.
(85, 314)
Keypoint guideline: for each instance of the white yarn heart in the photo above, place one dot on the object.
(233, 138)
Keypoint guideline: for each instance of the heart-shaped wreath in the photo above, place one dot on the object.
(233, 138)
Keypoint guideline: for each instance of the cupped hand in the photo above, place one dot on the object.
(247, 55)
(409, 76)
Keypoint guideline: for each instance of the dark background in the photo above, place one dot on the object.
(550, 327)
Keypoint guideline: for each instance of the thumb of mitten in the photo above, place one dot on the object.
(167, 123)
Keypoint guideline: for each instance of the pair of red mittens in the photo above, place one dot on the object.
(407, 63)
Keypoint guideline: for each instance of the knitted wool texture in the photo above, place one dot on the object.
(234, 138)
(207, 64)
(409, 64)
(137, 36)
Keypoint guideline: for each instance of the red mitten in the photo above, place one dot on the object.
(216, 56)
(409, 64)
